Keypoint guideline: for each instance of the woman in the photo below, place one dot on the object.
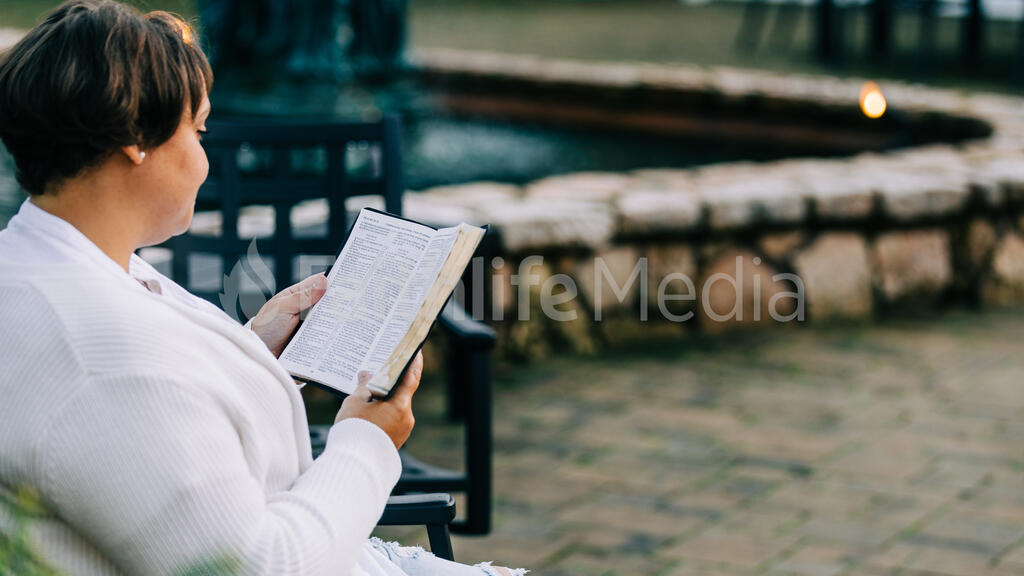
(160, 436)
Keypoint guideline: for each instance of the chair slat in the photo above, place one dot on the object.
(267, 191)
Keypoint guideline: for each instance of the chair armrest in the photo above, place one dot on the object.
(466, 331)
(418, 509)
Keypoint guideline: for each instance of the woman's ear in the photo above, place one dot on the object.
(134, 154)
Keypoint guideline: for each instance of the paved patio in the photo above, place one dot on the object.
(891, 449)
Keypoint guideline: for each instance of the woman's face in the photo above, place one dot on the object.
(173, 173)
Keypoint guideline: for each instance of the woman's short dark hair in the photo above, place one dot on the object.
(94, 76)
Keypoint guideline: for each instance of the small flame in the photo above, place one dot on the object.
(872, 101)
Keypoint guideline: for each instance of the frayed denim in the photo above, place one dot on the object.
(416, 561)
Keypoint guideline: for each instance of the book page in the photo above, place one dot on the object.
(363, 287)
(446, 280)
(410, 301)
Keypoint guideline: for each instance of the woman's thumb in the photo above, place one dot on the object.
(362, 391)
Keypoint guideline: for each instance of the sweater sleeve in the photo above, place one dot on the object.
(155, 475)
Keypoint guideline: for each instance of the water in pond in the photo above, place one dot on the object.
(445, 150)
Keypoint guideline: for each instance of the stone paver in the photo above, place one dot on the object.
(892, 449)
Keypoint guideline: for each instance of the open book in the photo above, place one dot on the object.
(388, 285)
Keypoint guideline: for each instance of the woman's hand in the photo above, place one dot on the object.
(277, 319)
(394, 415)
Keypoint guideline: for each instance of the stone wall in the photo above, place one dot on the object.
(853, 238)
(840, 269)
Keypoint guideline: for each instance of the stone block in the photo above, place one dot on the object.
(525, 340)
(587, 186)
(836, 273)
(993, 172)
(930, 159)
(610, 270)
(570, 322)
(841, 195)
(472, 195)
(781, 200)
(669, 263)
(985, 187)
(647, 211)
(576, 333)
(837, 192)
(1005, 284)
(1009, 173)
(752, 197)
(440, 213)
(730, 209)
(526, 329)
(725, 173)
(780, 246)
(664, 178)
(913, 265)
(545, 321)
(502, 295)
(909, 196)
(542, 223)
(737, 288)
(981, 239)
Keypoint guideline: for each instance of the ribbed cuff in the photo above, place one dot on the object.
(371, 442)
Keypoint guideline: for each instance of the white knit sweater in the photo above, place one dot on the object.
(160, 434)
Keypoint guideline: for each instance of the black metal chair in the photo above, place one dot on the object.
(435, 511)
(282, 164)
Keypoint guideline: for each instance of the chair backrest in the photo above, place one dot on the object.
(279, 165)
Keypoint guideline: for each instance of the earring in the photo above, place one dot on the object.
(142, 155)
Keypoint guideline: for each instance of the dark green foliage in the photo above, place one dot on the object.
(17, 556)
